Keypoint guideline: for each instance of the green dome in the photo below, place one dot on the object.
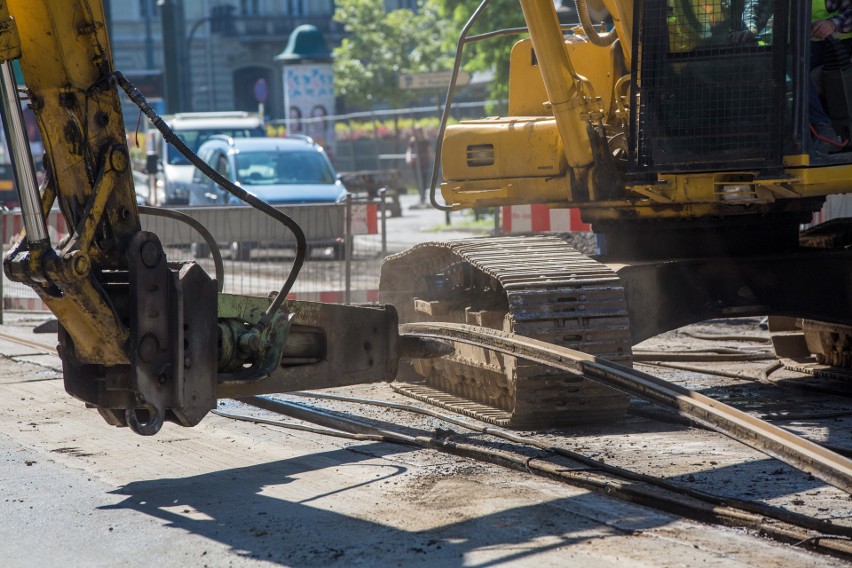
(306, 43)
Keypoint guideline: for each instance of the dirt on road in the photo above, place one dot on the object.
(229, 493)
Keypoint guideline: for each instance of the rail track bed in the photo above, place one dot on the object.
(675, 481)
(653, 457)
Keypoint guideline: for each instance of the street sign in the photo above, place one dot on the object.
(437, 80)
(261, 90)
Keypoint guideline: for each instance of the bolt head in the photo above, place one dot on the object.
(150, 254)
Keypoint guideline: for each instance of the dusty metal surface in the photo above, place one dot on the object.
(537, 286)
(323, 350)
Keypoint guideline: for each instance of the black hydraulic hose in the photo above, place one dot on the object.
(226, 184)
(218, 265)
(302, 427)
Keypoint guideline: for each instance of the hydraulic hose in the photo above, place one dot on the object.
(602, 40)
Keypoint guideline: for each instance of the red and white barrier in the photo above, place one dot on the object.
(13, 223)
(24, 304)
(364, 222)
(542, 219)
(35, 304)
(365, 219)
(336, 296)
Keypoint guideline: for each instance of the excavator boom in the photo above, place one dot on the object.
(143, 339)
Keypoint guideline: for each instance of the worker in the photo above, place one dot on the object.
(418, 155)
(831, 20)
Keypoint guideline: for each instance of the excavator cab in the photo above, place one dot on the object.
(707, 95)
(723, 84)
(716, 94)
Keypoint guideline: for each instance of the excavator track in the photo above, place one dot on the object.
(816, 348)
(537, 286)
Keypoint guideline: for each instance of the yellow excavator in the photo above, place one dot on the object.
(685, 135)
(144, 340)
(687, 151)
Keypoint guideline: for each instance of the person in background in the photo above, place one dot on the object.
(418, 155)
(294, 124)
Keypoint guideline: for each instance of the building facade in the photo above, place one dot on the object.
(218, 50)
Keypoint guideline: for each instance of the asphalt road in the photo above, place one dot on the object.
(78, 492)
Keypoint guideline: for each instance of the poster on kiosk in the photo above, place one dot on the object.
(309, 99)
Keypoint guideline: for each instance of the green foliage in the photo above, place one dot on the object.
(401, 128)
(382, 45)
(489, 54)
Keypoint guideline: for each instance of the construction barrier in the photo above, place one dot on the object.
(542, 219)
(258, 250)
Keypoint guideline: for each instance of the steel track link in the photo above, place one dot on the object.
(793, 450)
(538, 286)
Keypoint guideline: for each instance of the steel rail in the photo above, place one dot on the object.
(768, 511)
(753, 432)
(783, 528)
(43, 348)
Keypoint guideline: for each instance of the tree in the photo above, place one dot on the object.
(381, 46)
(489, 54)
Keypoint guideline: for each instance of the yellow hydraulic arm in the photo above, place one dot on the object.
(143, 339)
(87, 164)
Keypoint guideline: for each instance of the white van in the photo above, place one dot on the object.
(174, 172)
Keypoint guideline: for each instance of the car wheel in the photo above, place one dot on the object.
(199, 250)
(240, 250)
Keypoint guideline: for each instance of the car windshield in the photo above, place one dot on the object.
(277, 167)
(195, 138)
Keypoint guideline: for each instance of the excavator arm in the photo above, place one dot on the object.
(142, 339)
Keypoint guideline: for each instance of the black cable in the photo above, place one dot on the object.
(302, 427)
(219, 266)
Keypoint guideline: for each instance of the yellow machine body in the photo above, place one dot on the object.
(525, 144)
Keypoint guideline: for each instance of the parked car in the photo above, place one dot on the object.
(280, 171)
(174, 172)
(277, 170)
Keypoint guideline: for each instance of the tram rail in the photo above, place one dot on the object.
(563, 465)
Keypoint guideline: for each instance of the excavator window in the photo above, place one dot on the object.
(709, 96)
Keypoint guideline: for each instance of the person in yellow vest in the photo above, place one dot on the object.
(829, 19)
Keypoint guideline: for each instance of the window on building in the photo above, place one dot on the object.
(149, 8)
(250, 7)
(401, 5)
(296, 7)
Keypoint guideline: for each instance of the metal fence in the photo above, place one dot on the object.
(378, 139)
(346, 244)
